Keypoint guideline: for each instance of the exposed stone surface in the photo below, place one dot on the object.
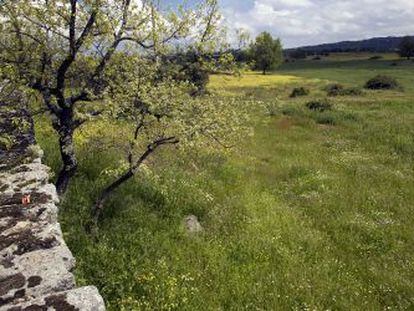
(85, 298)
(192, 224)
(35, 263)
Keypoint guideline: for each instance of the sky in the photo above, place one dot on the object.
(309, 22)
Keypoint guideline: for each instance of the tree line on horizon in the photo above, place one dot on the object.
(266, 53)
(404, 46)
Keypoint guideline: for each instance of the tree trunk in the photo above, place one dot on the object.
(106, 193)
(264, 72)
(65, 129)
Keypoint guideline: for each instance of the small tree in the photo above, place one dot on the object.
(266, 52)
(163, 113)
(406, 47)
(62, 48)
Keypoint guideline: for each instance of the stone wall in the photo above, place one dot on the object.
(35, 263)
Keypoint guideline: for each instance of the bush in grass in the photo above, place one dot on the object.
(382, 82)
(299, 91)
(375, 57)
(335, 89)
(319, 105)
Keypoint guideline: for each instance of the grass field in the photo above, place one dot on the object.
(313, 212)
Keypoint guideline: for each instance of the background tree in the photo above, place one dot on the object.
(297, 54)
(266, 52)
(61, 49)
(406, 47)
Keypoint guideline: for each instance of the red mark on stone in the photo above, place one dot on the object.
(26, 199)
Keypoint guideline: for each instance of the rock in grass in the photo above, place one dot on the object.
(192, 225)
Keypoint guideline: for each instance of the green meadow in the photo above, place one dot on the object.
(312, 211)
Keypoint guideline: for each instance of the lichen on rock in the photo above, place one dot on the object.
(35, 263)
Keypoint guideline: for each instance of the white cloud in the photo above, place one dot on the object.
(302, 22)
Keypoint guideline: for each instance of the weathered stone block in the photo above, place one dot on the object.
(35, 263)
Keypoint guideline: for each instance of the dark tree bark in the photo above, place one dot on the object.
(70, 163)
(67, 125)
(65, 128)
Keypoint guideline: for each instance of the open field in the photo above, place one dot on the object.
(313, 212)
(353, 71)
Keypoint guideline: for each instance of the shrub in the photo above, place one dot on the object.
(319, 105)
(375, 57)
(299, 91)
(382, 82)
(335, 89)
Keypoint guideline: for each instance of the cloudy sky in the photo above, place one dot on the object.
(305, 22)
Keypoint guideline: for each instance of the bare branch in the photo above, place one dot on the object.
(152, 147)
(139, 126)
(74, 48)
(104, 61)
(22, 33)
(45, 27)
(137, 41)
(209, 22)
(72, 26)
(217, 140)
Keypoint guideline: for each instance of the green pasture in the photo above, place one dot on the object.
(313, 211)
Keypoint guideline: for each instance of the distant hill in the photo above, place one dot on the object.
(376, 45)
